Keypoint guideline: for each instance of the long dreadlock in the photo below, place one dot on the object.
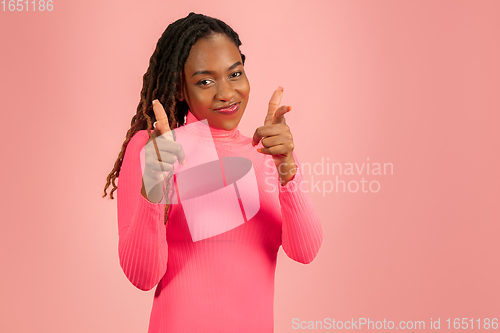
(163, 79)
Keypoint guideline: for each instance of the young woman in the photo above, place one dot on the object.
(213, 265)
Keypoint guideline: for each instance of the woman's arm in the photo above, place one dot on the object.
(142, 246)
(301, 234)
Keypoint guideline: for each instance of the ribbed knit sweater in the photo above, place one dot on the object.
(223, 283)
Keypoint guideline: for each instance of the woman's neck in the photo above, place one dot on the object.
(200, 128)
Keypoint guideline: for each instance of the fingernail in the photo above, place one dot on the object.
(259, 150)
(281, 88)
(253, 144)
(154, 101)
(183, 162)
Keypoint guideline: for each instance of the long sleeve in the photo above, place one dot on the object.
(301, 234)
(142, 245)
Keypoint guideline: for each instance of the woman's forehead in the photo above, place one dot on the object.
(213, 53)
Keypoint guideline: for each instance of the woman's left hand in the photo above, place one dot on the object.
(277, 138)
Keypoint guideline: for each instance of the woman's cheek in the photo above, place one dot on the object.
(245, 88)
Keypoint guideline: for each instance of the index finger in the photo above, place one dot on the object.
(274, 104)
(162, 129)
(162, 125)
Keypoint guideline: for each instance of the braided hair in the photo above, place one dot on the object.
(163, 78)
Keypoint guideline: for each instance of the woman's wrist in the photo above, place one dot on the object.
(155, 194)
(287, 171)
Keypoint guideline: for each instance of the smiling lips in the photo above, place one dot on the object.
(229, 110)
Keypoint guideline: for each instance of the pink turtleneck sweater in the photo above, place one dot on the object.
(224, 282)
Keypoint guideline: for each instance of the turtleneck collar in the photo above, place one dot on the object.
(217, 134)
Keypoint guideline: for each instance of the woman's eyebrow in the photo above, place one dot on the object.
(236, 64)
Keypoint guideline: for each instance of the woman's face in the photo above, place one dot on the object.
(214, 83)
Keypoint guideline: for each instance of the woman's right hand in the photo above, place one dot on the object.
(169, 150)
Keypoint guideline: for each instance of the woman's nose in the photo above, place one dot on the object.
(225, 91)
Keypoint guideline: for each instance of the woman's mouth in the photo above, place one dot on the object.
(229, 110)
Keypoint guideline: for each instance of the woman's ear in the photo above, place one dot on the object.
(179, 93)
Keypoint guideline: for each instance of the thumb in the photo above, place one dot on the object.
(162, 125)
(279, 116)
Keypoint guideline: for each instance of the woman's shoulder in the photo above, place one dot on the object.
(139, 137)
(138, 141)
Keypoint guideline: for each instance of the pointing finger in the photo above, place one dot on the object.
(274, 104)
(162, 125)
(162, 129)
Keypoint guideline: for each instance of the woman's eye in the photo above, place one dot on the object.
(236, 74)
(203, 82)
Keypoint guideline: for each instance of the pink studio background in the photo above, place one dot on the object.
(412, 83)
